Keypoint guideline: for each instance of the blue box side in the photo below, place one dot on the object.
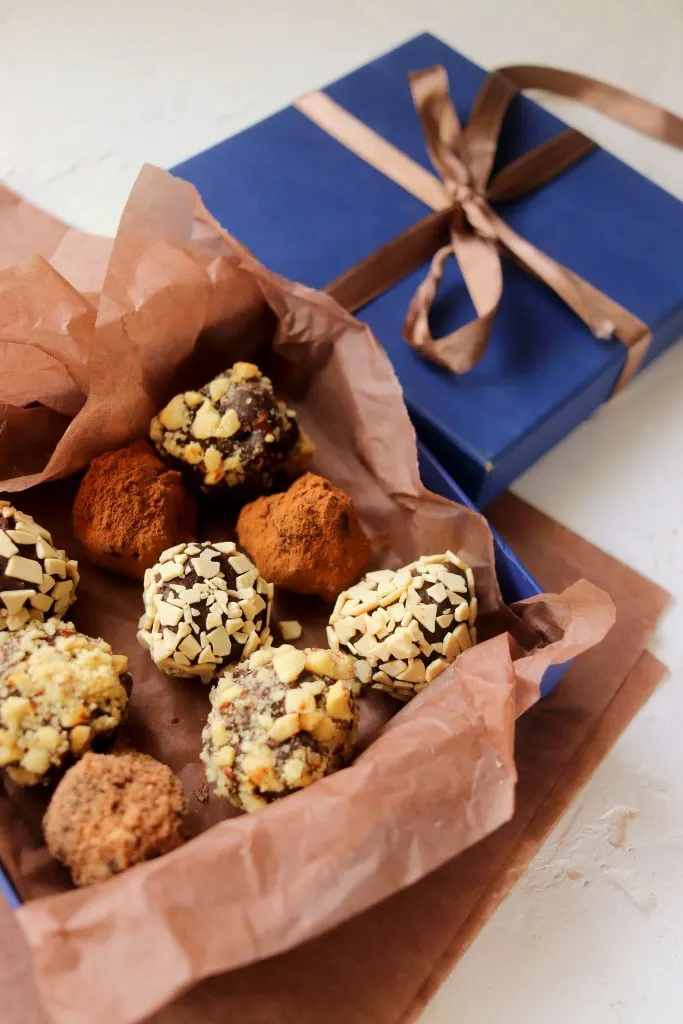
(8, 890)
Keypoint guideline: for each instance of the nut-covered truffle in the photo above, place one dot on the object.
(405, 625)
(37, 580)
(60, 693)
(308, 539)
(233, 435)
(129, 508)
(279, 722)
(112, 811)
(205, 606)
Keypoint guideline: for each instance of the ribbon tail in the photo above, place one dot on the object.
(479, 262)
(605, 317)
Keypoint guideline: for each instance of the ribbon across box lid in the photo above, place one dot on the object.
(603, 236)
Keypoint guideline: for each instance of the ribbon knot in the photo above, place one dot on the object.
(477, 212)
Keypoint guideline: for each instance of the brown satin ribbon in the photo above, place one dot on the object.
(464, 224)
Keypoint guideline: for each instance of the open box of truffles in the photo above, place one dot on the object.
(288, 684)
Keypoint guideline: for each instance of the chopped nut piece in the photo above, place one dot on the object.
(175, 415)
(310, 720)
(7, 547)
(261, 658)
(299, 700)
(14, 600)
(415, 673)
(225, 757)
(36, 761)
(393, 668)
(289, 663)
(462, 635)
(337, 703)
(363, 671)
(451, 647)
(24, 569)
(284, 727)
(206, 422)
(290, 629)
(332, 638)
(435, 668)
(79, 739)
(241, 564)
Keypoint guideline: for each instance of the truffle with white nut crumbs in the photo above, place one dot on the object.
(61, 694)
(205, 606)
(406, 625)
(37, 580)
(233, 435)
(278, 722)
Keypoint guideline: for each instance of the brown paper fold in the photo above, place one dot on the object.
(410, 942)
(180, 299)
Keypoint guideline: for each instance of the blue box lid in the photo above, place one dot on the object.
(309, 208)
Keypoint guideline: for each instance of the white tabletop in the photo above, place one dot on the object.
(594, 932)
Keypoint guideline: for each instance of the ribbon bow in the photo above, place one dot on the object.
(466, 225)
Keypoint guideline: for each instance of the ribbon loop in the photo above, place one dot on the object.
(464, 158)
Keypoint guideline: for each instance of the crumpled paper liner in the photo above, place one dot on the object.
(180, 299)
(410, 942)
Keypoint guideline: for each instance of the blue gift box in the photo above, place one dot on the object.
(516, 583)
(310, 209)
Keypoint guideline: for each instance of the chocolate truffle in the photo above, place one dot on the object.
(278, 722)
(37, 580)
(405, 625)
(129, 508)
(308, 539)
(205, 606)
(112, 811)
(233, 435)
(60, 693)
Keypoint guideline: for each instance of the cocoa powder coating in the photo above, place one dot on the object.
(129, 508)
(308, 539)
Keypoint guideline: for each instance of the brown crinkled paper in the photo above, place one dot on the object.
(180, 299)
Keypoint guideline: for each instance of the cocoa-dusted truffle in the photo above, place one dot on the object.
(308, 539)
(37, 580)
(60, 693)
(205, 606)
(233, 435)
(405, 625)
(279, 722)
(129, 508)
(112, 811)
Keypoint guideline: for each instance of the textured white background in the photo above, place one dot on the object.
(594, 932)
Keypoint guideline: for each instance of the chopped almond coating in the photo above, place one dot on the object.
(277, 724)
(37, 580)
(61, 693)
(233, 435)
(405, 626)
(205, 606)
